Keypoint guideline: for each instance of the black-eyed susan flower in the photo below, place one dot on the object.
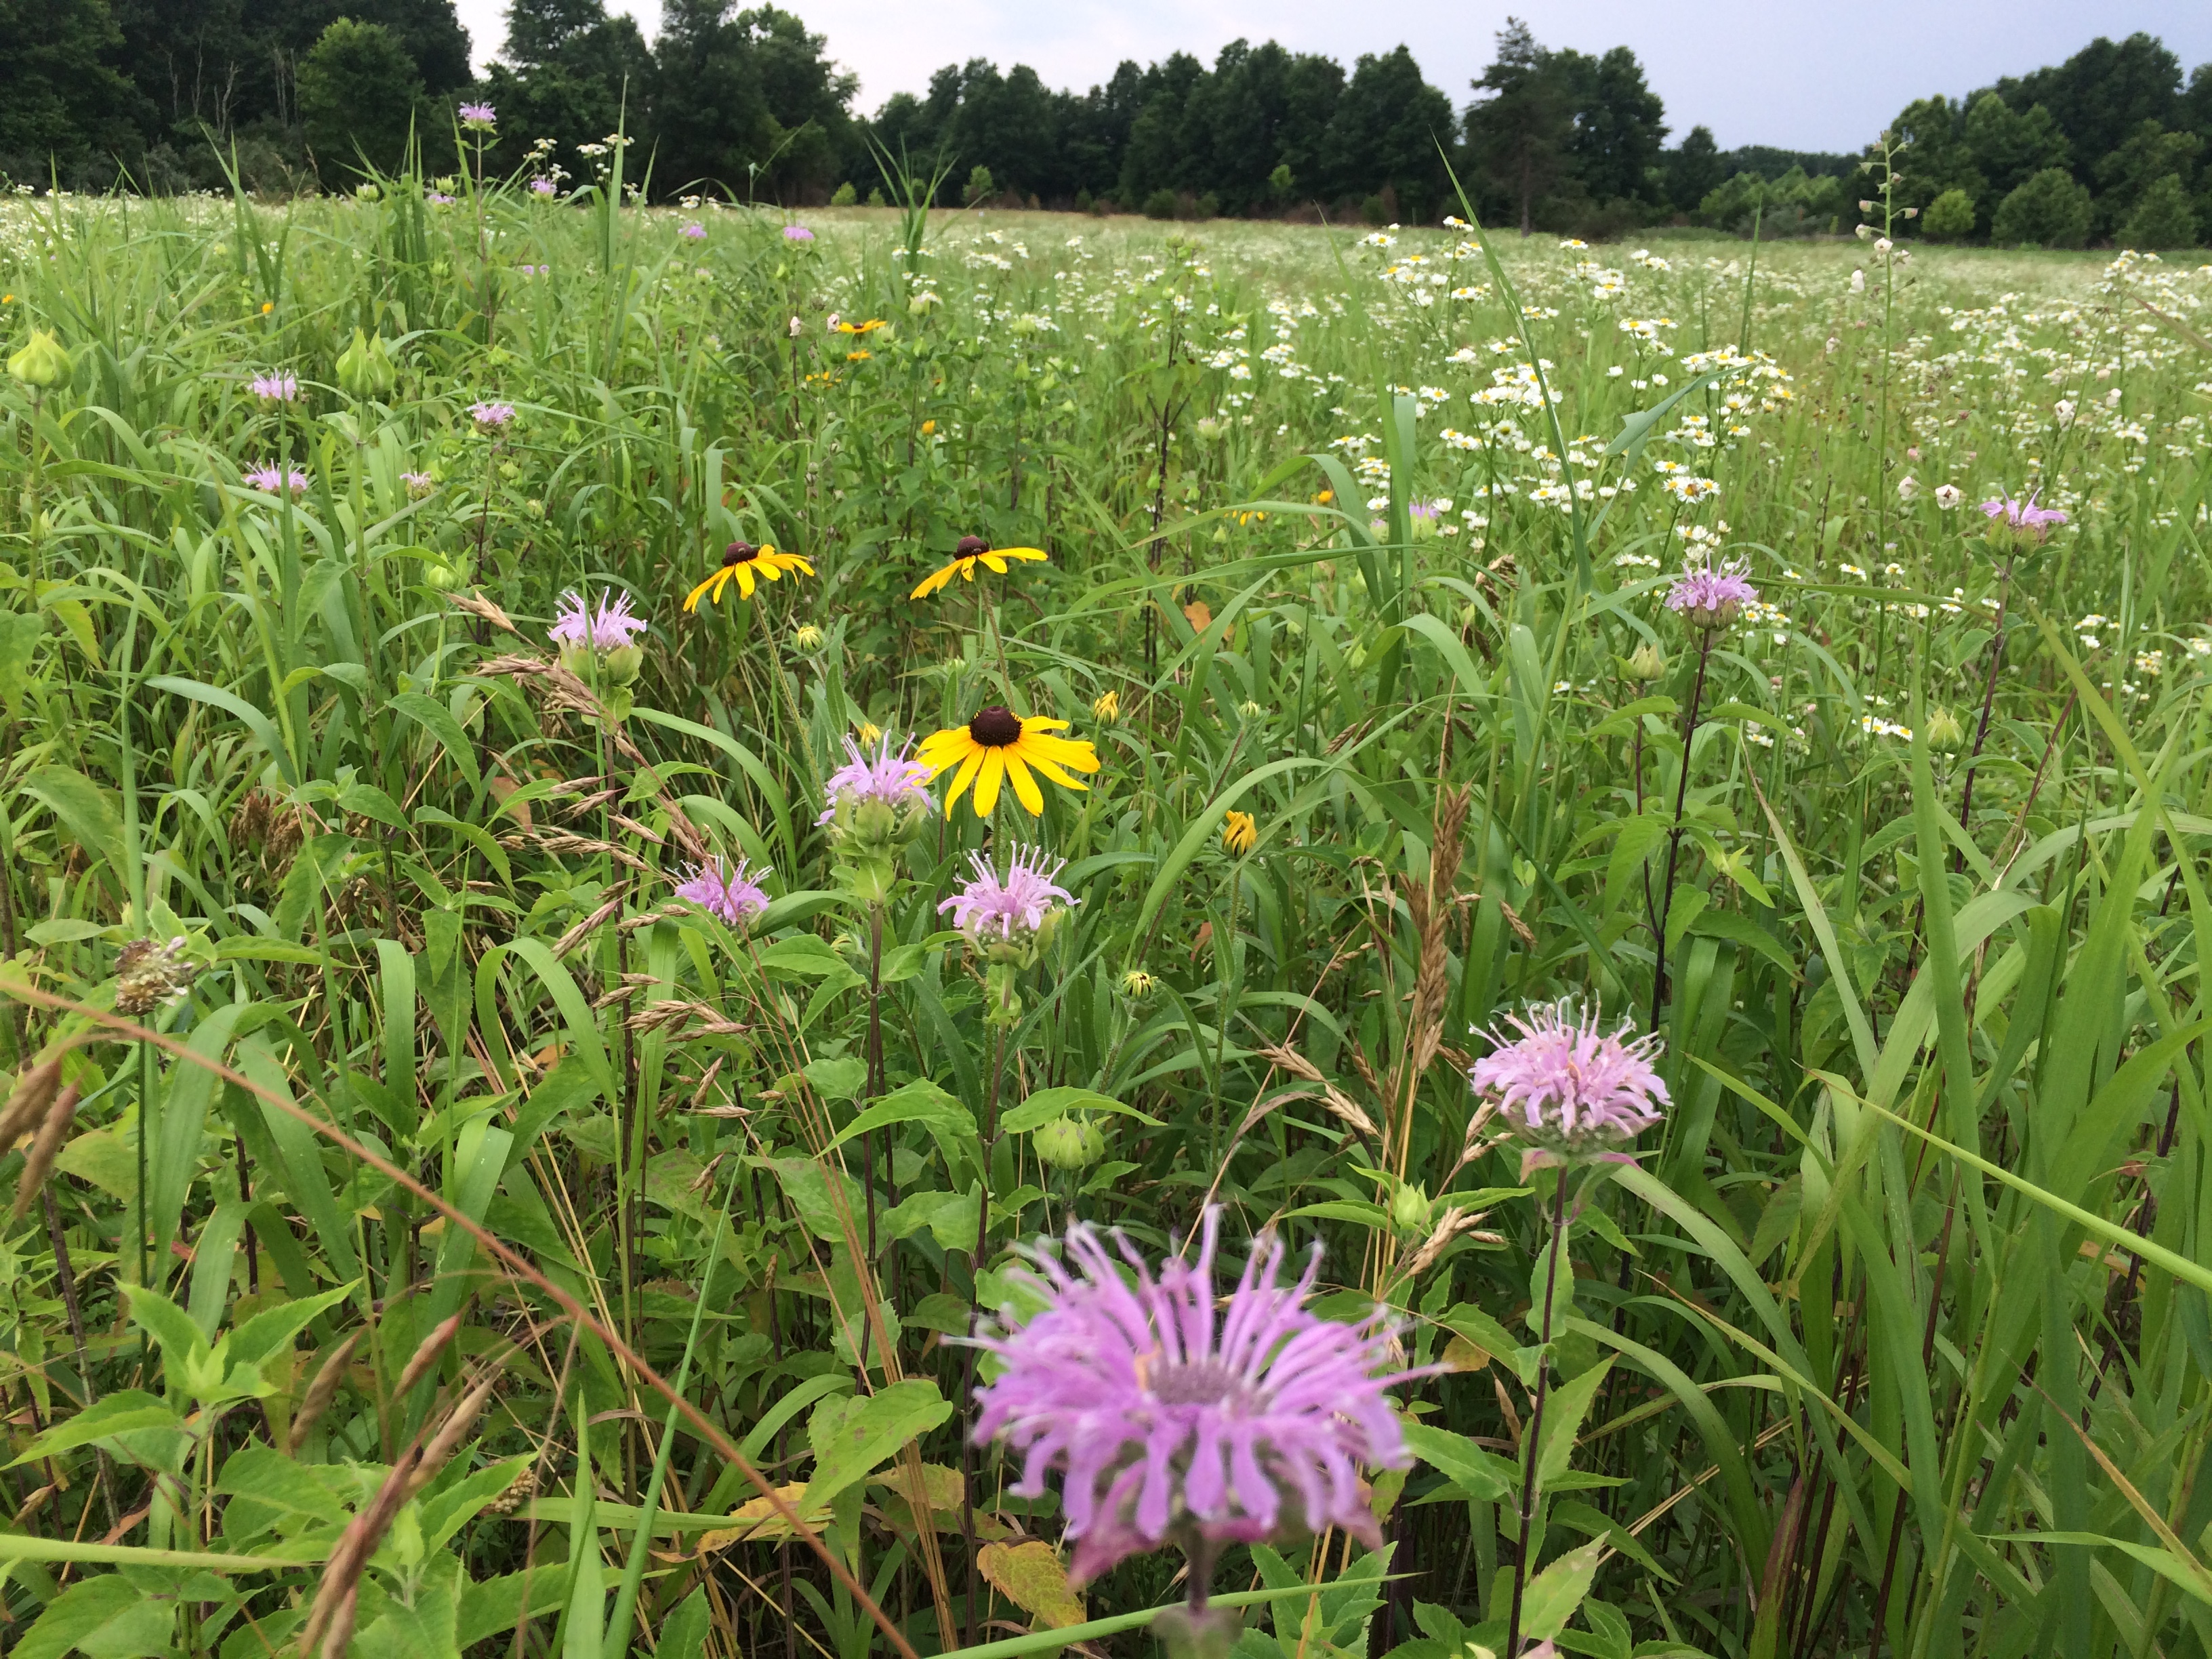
(970, 551)
(868, 327)
(1238, 832)
(1107, 706)
(1000, 745)
(743, 564)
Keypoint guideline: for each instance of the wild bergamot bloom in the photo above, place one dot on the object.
(744, 564)
(1573, 1093)
(1172, 1419)
(998, 745)
(967, 553)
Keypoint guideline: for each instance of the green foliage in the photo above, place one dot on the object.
(1949, 217)
(844, 195)
(358, 94)
(2163, 217)
(2049, 211)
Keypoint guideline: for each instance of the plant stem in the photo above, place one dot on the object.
(1674, 834)
(1532, 1437)
(1989, 697)
(989, 1143)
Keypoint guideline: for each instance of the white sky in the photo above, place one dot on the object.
(1812, 74)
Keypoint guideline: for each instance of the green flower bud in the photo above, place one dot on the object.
(1943, 730)
(1409, 1208)
(42, 364)
(1060, 1145)
(365, 367)
(1647, 664)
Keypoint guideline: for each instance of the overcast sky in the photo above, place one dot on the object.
(1812, 75)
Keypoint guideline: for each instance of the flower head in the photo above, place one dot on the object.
(695, 231)
(2022, 522)
(1948, 497)
(267, 478)
(886, 778)
(1012, 910)
(148, 973)
(491, 417)
(1238, 832)
(1170, 1420)
(1708, 595)
(278, 388)
(418, 484)
(611, 628)
(744, 564)
(543, 187)
(1569, 1089)
(1107, 707)
(967, 553)
(999, 746)
(732, 894)
(796, 233)
(479, 117)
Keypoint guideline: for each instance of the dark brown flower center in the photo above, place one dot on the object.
(995, 727)
(740, 553)
(969, 546)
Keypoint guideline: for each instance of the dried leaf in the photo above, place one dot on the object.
(1034, 1578)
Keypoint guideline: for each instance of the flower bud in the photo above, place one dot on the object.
(42, 364)
(1409, 1209)
(1060, 1145)
(1943, 730)
(365, 367)
(1646, 664)
(621, 664)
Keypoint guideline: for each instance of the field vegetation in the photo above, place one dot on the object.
(510, 1133)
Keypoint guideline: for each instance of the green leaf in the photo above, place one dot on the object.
(1046, 1104)
(257, 722)
(1563, 1421)
(1466, 1465)
(1554, 1594)
(851, 1437)
(84, 809)
(950, 1123)
(19, 631)
(125, 1412)
(438, 721)
(837, 1079)
(107, 1617)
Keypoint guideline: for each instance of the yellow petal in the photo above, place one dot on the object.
(962, 778)
(768, 571)
(987, 784)
(691, 601)
(1050, 769)
(743, 575)
(1037, 723)
(967, 570)
(997, 564)
(947, 748)
(794, 562)
(1065, 751)
(1030, 553)
(934, 581)
(1025, 787)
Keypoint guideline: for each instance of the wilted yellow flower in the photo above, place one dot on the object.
(869, 733)
(1238, 832)
(1107, 706)
(1137, 984)
(807, 637)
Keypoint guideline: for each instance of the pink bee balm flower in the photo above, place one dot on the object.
(2025, 516)
(1014, 908)
(478, 117)
(418, 484)
(695, 230)
(543, 187)
(796, 233)
(278, 388)
(491, 417)
(1707, 595)
(576, 626)
(883, 779)
(274, 482)
(1171, 1421)
(733, 894)
(1568, 1089)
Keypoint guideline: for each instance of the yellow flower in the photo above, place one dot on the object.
(268, 306)
(971, 551)
(999, 745)
(868, 327)
(808, 637)
(1107, 706)
(869, 733)
(1238, 832)
(743, 563)
(858, 356)
(1246, 520)
(928, 426)
(1325, 497)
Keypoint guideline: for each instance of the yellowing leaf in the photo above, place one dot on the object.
(1033, 1577)
(758, 1520)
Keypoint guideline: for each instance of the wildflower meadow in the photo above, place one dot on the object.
(896, 931)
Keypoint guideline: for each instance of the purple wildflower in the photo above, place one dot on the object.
(439, 198)
(884, 778)
(1707, 595)
(695, 230)
(491, 417)
(268, 477)
(543, 187)
(796, 233)
(2025, 516)
(1567, 1087)
(479, 117)
(282, 387)
(734, 895)
(1167, 1425)
(418, 484)
(577, 627)
(1018, 906)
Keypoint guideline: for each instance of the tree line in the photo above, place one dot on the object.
(748, 103)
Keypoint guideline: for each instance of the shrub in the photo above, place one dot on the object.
(2049, 211)
(1161, 203)
(1083, 203)
(876, 197)
(357, 93)
(2162, 216)
(1949, 217)
(1208, 206)
(1375, 210)
(846, 195)
(981, 186)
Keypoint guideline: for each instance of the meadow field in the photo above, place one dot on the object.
(614, 818)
